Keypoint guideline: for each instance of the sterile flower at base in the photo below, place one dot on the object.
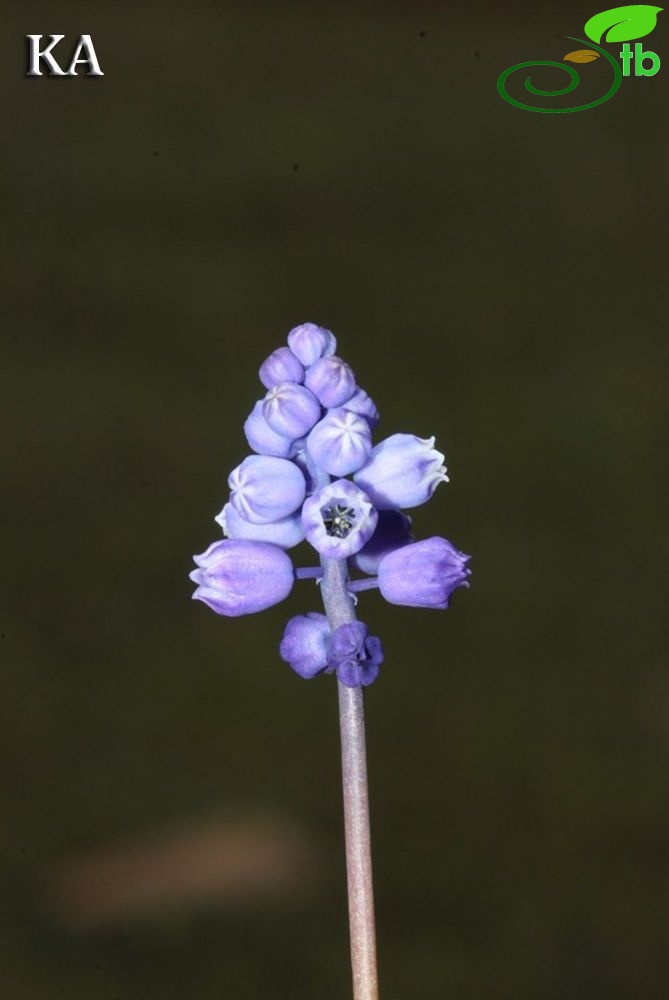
(304, 645)
(238, 577)
(310, 648)
(423, 574)
(356, 655)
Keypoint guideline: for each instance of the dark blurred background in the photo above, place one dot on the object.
(171, 800)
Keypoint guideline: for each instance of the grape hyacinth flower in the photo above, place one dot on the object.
(312, 429)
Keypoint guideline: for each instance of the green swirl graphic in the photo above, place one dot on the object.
(573, 84)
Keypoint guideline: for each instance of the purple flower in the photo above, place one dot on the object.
(355, 655)
(281, 366)
(361, 403)
(304, 645)
(309, 342)
(340, 443)
(423, 574)
(403, 471)
(291, 410)
(392, 532)
(310, 648)
(331, 380)
(265, 489)
(237, 577)
(285, 533)
(262, 438)
(313, 424)
(338, 519)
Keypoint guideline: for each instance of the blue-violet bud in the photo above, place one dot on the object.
(363, 404)
(341, 442)
(393, 531)
(281, 366)
(285, 533)
(309, 342)
(265, 489)
(331, 380)
(423, 574)
(355, 655)
(304, 645)
(237, 577)
(338, 519)
(403, 471)
(262, 438)
(291, 410)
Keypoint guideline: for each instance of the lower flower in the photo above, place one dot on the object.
(238, 577)
(423, 574)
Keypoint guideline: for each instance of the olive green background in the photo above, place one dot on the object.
(497, 279)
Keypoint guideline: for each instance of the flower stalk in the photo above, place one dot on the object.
(340, 611)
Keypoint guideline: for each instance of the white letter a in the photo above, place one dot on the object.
(90, 59)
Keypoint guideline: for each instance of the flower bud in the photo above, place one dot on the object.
(340, 443)
(338, 519)
(331, 380)
(304, 644)
(238, 577)
(265, 489)
(291, 410)
(280, 366)
(423, 574)
(262, 438)
(363, 404)
(355, 655)
(309, 342)
(284, 533)
(393, 531)
(403, 471)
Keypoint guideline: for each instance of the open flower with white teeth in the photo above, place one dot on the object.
(314, 424)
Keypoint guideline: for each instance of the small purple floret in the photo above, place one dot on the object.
(265, 489)
(423, 574)
(331, 380)
(236, 577)
(363, 404)
(355, 655)
(393, 531)
(304, 645)
(291, 410)
(281, 366)
(341, 442)
(403, 471)
(262, 439)
(285, 533)
(309, 342)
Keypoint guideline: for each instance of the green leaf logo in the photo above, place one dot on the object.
(623, 24)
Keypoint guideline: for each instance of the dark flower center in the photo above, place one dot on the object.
(338, 520)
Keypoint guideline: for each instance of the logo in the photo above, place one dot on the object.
(84, 55)
(620, 24)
